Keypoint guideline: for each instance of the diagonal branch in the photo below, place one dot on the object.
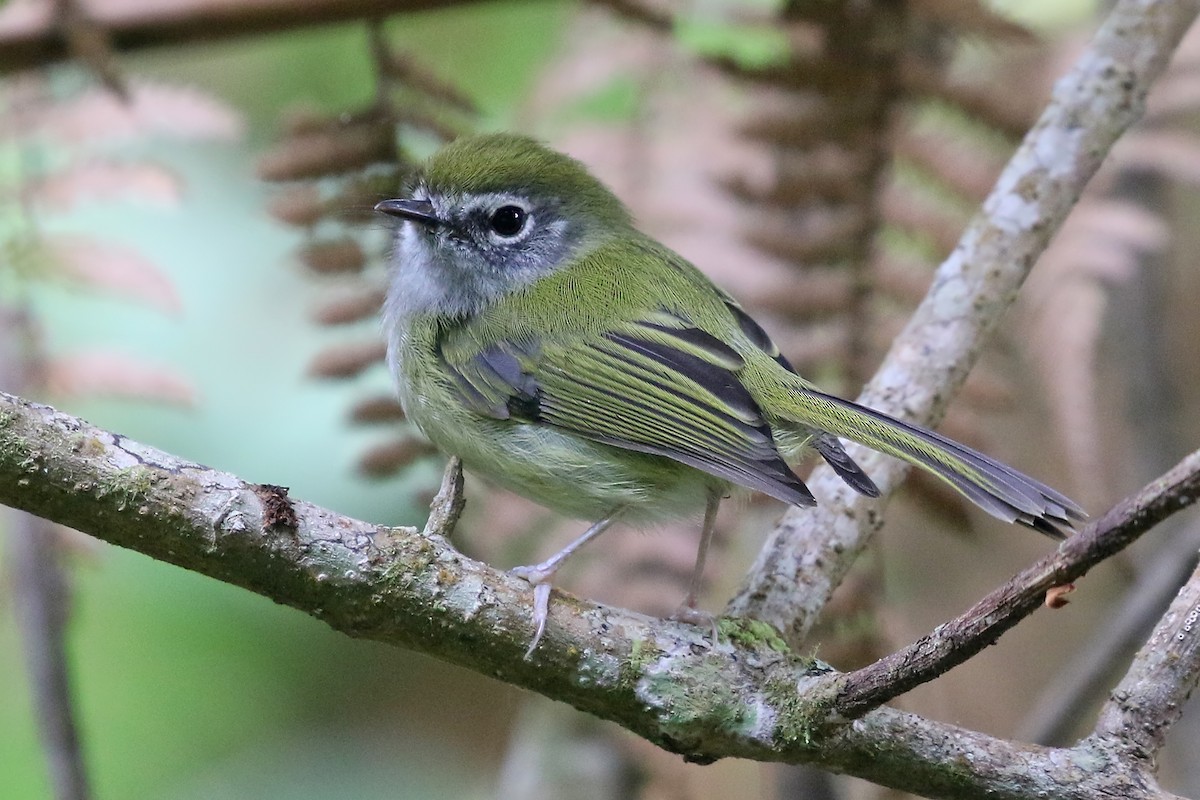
(956, 641)
(808, 554)
(1151, 697)
(748, 697)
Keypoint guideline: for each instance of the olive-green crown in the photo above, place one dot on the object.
(506, 162)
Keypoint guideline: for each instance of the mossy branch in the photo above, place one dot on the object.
(747, 697)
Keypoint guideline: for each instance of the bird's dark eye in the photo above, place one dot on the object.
(508, 221)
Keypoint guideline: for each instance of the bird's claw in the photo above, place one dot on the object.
(539, 575)
(541, 610)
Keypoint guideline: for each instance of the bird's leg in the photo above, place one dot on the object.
(706, 535)
(540, 574)
(687, 612)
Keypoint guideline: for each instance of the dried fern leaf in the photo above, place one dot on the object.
(353, 305)
(109, 374)
(97, 114)
(333, 256)
(94, 180)
(347, 360)
(377, 409)
(113, 268)
(332, 150)
(392, 457)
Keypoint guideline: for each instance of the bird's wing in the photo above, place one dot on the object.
(656, 385)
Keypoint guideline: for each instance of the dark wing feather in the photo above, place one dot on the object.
(840, 461)
(495, 383)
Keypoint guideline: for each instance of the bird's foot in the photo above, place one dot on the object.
(538, 575)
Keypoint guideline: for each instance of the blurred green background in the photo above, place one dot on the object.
(189, 688)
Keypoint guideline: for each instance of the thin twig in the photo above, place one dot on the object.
(448, 503)
(956, 641)
(808, 554)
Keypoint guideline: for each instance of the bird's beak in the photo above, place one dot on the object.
(416, 210)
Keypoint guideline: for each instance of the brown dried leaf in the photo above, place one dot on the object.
(347, 360)
(298, 205)
(107, 374)
(383, 408)
(1057, 596)
(278, 508)
(352, 306)
(391, 457)
(331, 151)
(99, 180)
(333, 256)
(114, 268)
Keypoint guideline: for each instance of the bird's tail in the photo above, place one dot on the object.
(995, 487)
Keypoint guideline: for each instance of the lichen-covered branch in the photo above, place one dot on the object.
(747, 696)
(807, 556)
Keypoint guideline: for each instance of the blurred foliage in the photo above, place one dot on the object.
(192, 688)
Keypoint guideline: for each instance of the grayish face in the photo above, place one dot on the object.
(462, 253)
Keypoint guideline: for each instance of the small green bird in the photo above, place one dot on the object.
(564, 355)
